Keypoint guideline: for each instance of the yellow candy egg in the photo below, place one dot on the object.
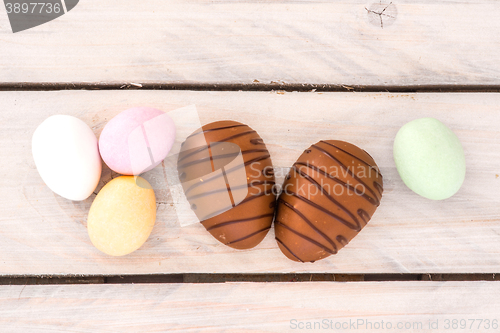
(122, 215)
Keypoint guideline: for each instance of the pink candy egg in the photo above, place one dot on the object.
(136, 140)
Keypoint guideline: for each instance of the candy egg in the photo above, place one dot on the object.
(136, 140)
(429, 158)
(66, 156)
(228, 179)
(329, 195)
(122, 215)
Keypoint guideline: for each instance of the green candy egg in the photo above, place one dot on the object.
(429, 158)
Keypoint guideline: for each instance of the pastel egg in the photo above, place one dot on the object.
(429, 158)
(122, 215)
(66, 156)
(137, 140)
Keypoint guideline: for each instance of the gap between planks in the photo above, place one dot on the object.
(256, 86)
(223, 278)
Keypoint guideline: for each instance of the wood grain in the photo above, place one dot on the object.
(42, 233)
(251, 307)
(314, 42)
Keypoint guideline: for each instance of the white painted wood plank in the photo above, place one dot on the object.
(253, 307)
(199, 41)
(41, 233)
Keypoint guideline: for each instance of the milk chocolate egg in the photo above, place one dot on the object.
(329, 195)
(228, 179)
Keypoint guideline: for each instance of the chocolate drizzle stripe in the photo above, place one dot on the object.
(364, 215)
(214, 144)
(248, 236)
(223, 224)
(247, 199)
(228, 188)
(252, 197)
(342, 240)
(310, 240)
(328, 239)
(234, 188)
(216, 129)
(257, 159)
(257, 141)
(261, 182)
(356, 227)
(286, 247)
(204, 194)
(349, 187)
(211, 158)
(323, 191)
(349, 171)
(379, 187)
(356, 157)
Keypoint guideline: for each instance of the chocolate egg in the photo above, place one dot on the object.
(228, 179)
(329, 195)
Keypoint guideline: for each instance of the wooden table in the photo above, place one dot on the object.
(297, 72)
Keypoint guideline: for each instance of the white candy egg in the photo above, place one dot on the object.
(67, 157)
